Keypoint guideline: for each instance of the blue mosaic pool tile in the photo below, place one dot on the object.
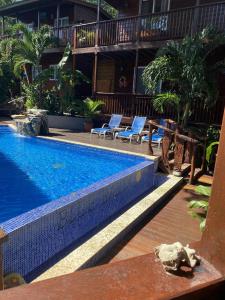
(38, 235)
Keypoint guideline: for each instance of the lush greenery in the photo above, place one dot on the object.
(212, 143)
(61, 97)
(8, 81)
(20, 61)
(189, 73)
(199, 207)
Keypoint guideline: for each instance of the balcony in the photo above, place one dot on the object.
(150, 28)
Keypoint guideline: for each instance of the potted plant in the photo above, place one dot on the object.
(90, 109)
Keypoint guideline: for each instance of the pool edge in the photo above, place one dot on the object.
(97, 246)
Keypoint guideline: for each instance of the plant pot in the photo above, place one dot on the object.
(88, 125)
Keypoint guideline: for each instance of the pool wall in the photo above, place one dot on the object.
(40, 234)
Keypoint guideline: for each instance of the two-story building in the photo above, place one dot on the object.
(120, 48)
(61, 15)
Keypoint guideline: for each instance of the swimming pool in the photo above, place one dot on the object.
(54, 194)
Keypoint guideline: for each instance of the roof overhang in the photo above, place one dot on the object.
(26, 5)
(119, 4)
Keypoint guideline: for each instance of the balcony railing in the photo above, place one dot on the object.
(154, 27)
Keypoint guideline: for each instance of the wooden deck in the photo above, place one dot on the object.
(87, 138)
(173, 223)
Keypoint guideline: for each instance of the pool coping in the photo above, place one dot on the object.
(87, 254)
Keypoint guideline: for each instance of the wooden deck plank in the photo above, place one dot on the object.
(173, 223)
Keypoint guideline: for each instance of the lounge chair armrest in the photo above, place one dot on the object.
(105, 125)
(127, 128)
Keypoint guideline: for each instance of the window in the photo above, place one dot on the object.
(63, 22)
(155, 6)
(53, 73)
(36, 71)
(30, 27)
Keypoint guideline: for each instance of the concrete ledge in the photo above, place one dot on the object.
(66, 122)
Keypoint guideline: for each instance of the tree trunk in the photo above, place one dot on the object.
(26, 74)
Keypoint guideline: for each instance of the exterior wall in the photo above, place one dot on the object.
(115, 75)
(76, 13)
(106, 75)
(131, 9)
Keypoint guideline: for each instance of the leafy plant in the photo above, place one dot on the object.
(189, 73)
(161, 101)
(84, 35)
(199, 208)
(89, 108)
(63, 92)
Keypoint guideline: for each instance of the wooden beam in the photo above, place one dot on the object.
(135, 72)
(213, 239)
(95, 73)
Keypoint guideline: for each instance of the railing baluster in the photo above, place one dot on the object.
(158, 26)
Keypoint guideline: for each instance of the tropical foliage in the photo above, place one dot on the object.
(29, 50)
(61, 97)
(188, 72)
(89, 108)
(8, 81)
(199, 208)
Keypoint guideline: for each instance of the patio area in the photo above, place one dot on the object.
(94, 140)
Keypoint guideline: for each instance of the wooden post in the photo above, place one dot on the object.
(95, 73)
(213, 239)
(193, 164)
(140, 7)
(195, 18)
(74, 62)
(97, 26)
(38, 20)
(74, 13)
(57, 18)
(3, 26)
(150, 140)
(135, 72)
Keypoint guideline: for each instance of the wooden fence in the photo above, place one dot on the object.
(138, 105)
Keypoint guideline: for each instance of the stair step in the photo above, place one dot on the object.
(206, 179)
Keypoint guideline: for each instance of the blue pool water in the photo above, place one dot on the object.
(34, 171)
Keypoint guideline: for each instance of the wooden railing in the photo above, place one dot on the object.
(138, 105)
(63, 34)
(184, 150)
(174, 24)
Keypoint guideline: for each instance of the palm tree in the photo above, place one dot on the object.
(29, 50)
(188, 71)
